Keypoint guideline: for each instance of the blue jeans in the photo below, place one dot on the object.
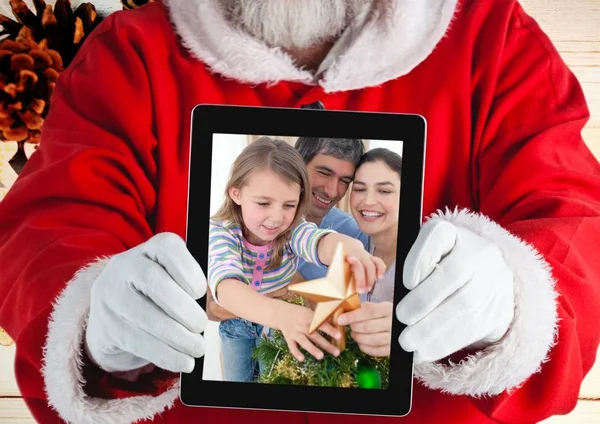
(239, 338)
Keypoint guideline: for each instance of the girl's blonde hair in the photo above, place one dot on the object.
(282, 159)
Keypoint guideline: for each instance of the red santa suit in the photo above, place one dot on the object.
(504, 119)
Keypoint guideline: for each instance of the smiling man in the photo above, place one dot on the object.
(331, 163)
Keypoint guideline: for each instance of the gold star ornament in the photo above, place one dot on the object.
(334, 294)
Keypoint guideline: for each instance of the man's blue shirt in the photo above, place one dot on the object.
(341, 222)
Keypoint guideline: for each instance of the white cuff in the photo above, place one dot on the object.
(62, 363)
(523, 349)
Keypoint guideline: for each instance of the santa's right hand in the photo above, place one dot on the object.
(143, 308)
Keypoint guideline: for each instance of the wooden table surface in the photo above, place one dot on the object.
(574, 27)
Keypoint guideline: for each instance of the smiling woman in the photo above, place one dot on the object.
(375, 195)
(375, 205)
(370, 145)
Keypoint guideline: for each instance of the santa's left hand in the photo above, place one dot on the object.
(461, 293)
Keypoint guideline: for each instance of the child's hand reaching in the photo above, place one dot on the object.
(294, 322)
(365, 267)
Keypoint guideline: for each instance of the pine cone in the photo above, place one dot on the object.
(132, 4)
(37, 48)
(28, 73)
(64, 29)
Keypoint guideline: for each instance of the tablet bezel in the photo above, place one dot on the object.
(207, 120)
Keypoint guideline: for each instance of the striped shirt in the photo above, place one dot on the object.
(230, 255)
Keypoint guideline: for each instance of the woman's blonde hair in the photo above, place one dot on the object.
(282, 159)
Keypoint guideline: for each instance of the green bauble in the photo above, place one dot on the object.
(368, 377)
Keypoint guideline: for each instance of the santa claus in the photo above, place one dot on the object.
(504, 281)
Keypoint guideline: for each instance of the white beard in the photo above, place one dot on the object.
(292, 23)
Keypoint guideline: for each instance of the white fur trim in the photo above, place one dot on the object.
(504, 365)
(63, 362)
(385, 43)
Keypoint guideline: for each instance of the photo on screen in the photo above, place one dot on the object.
(274, 201)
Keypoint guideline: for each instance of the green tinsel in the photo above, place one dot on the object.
(343, 371)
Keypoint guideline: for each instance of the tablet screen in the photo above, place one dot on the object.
(285, 206)
(354, 187)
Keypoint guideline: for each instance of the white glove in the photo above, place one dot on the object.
(461, 293)
(143, 308)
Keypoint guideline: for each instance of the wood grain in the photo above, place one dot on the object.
(8, 384)
(586, 412)
(14, 411)
(590, 389)
(574, 28)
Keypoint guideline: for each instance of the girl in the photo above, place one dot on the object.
(256, 240)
